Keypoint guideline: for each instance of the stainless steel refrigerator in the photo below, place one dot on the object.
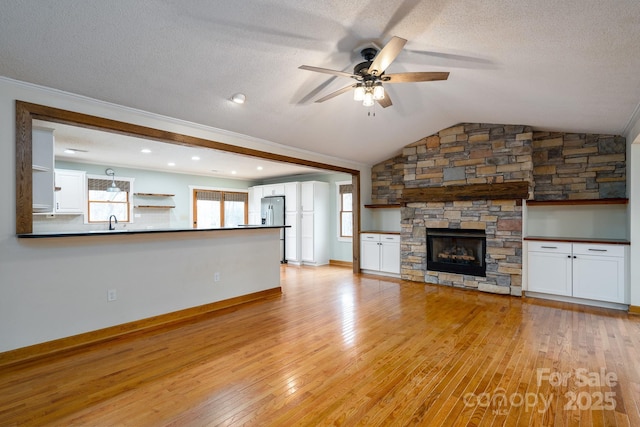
(272, 213)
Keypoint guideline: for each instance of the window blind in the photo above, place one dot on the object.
(236, 197)
(100, 184)
(346, 188)
(215, 196)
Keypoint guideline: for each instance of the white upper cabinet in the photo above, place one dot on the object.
(70, 192)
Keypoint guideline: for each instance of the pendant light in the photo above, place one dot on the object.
(113, 188)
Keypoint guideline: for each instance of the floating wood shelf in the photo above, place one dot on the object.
(580, 202)
(453, 193)
(384, 206)
(153, 195)
(154, 206)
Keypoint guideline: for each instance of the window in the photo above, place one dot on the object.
(214, 209)
(345, 205)
(103, 203)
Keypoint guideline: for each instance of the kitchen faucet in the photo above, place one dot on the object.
(112, 226)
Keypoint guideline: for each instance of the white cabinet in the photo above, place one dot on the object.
(314, 223)
(255, 196)
(273, 190)
(380, 253)
(582, 270)
(550, 268)
(70, 195)
(292, 219)
(42, 160)
(306, 214)
(599, 272)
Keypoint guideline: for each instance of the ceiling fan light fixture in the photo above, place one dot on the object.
(378, 92)
(358, 94)
(368, 99)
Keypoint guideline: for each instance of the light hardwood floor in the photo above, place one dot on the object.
(339, 349)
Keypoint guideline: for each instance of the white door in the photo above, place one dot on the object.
(370, 255)
(291, 236)
(306, 237)
(291, 196)
(390, 257)
(550, 273)
(599, 278)
(71, 196)
(306, 196)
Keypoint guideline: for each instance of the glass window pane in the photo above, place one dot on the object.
(208, 212)
(346, 224)
(102, 211)
(347, 202)
(233, 213)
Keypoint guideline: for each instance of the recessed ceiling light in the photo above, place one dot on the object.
(239, 98)
(171, 164)
(233, 172)
(145, 151)
(195, 158)
(259, 168)
(70, 151)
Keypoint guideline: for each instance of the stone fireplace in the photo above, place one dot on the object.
(456, 251)
(437, 179)
(471, 179)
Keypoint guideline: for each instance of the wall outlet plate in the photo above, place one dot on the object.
(216, 277)
(112, 295)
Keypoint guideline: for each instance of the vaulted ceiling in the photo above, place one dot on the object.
(571, 65)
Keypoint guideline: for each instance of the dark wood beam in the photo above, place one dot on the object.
(451, 193)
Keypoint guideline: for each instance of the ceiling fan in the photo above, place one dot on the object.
(370, 75)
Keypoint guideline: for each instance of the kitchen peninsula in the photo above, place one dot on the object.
(141, 278)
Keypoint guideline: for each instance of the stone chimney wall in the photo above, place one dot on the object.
(556, 166)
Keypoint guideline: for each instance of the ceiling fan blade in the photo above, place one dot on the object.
(327, 71)
(386, 56)
(386, 101)
(336, 93)
(419, 76)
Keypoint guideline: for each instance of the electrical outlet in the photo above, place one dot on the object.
(112, 295)
(216, 276)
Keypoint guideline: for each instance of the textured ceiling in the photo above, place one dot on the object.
(570, 65)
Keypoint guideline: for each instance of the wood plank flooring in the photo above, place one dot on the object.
(339, 349)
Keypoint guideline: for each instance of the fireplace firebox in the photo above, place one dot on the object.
(456, 251)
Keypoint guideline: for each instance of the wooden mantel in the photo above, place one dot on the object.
(451, 193)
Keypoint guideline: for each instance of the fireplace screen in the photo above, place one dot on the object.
(456, 251)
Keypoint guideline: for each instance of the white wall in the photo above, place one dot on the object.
(633, 191)
(56, 287)
(634, 217)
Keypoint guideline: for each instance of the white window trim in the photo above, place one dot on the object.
(105, 177)
(338, 204)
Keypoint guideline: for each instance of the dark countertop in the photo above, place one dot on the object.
(379, 232)
(579, 240)
(120, 232)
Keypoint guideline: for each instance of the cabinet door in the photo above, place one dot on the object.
(599, 278)
(370, 252)
(291, 236)
(273, 190)
(550, 273)
(71, 196)
(389, 256)
(306, 196)
(255, 196)
(306, 237)
(291, 196)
